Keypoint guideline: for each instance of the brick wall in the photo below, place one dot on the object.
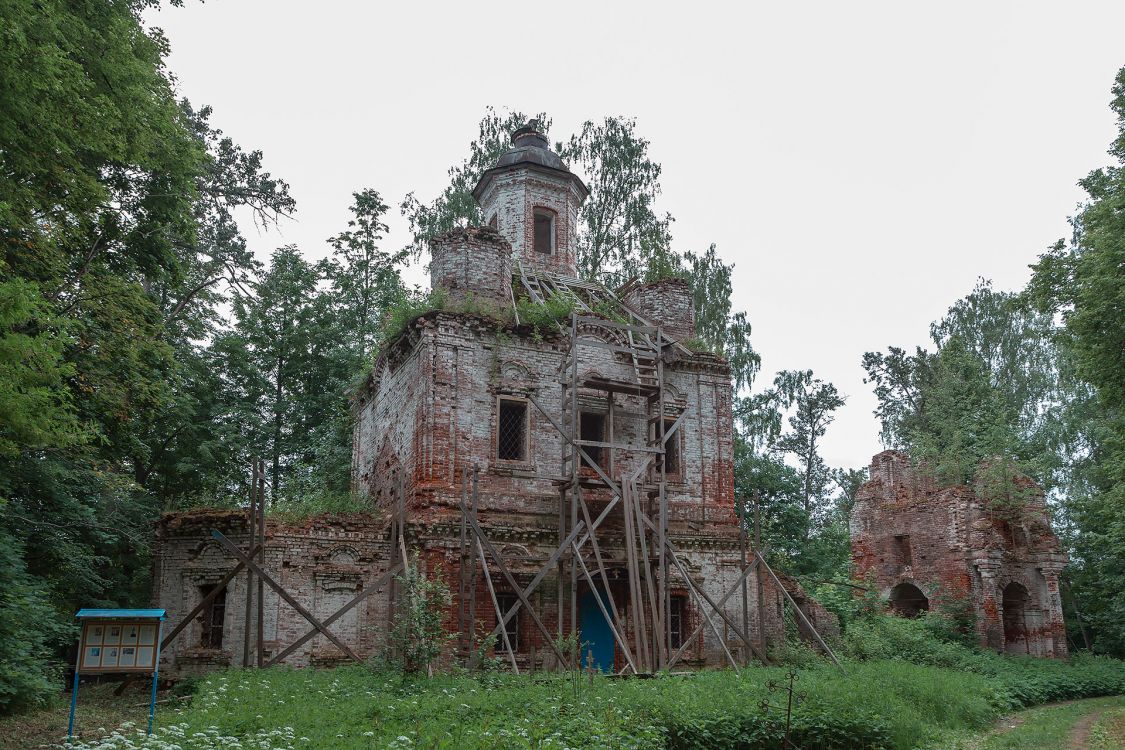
(512, 198)
(666, 303)
(946, 542)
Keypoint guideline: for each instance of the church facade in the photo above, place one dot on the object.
(562, 473)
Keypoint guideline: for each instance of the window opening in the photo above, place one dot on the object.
(671, 449)
(494, 222)
(902, 550)
(591, 426)
(512, 627)
(212, 618)
(676, 620)
(511, 438)
(1014, 603)
(544, 231)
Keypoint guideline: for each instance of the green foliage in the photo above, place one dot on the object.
(410, 306)
(30, 631)
(456, 207)
(547, 317)
(418, 633)
(1084, 284)
(621, 234)
(38, 409)
(889, 702)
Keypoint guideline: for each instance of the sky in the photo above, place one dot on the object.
(861, 163)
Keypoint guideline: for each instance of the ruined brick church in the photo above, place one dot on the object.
(923, 546)
(567, 475)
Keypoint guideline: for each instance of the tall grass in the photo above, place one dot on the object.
(901, 688)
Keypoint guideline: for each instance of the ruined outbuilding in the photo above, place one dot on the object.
(922, 545)
(534, 432)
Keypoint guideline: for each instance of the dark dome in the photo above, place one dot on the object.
(529, 148)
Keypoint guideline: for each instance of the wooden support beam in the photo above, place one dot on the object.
(222, 584)
(496, 607)
(251, 522)
(800, 614)
(699, 628)
(697, 592)
(261, 655)
(515, 587)
(375, 588)
(284, 594)
(617, 634)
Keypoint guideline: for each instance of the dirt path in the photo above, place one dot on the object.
(1080, 732)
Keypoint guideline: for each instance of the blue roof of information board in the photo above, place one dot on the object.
(155, 614)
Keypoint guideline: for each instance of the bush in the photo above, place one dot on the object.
(29, 630)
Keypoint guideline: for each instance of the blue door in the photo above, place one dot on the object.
(597, 637)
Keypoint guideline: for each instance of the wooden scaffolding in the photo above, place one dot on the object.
(637, 504)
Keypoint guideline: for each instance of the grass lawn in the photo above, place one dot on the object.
(1092, 724)
(876, 704)
(901, 689)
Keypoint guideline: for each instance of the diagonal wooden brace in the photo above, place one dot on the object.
(515, 586)
(800, 614)
(375, 588)
(268, 579)
(218, 589)
(699, 628)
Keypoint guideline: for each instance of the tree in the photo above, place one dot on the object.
(815, 401)
(1084, 283)
(418, 632)
(621, 234)
(270, 363)
(364, 279)
(456, 207)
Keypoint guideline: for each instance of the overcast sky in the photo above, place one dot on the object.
(861, 163)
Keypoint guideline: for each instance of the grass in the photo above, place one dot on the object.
(878, 704)
(1052, 727)
(99, 712)
(1108, 732)
(902, 688)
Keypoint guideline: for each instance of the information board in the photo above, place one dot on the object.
(110, 646)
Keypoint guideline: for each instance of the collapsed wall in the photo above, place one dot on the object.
(925, 547)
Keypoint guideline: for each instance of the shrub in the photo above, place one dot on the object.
(418, 632)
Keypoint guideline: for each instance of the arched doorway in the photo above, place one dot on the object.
(907, 600)
(1015, 618)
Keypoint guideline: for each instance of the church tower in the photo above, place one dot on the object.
(532, 199)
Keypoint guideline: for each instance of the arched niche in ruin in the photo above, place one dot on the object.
(907, 600)
(1014, 604)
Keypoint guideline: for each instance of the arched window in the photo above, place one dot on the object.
(544, 234)
(907, 600)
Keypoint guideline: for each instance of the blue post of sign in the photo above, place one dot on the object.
(155, 672)
(73, 700)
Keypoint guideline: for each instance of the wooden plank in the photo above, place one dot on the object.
(618, 446)
(800, 614)
(618, 326)
(222, 584)
(261, 558)
(617, 633)
(696, 592)
(252, 520)
(284, 594)
(605, 578)
(515, 587)
(496, 606)
(699, 628)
